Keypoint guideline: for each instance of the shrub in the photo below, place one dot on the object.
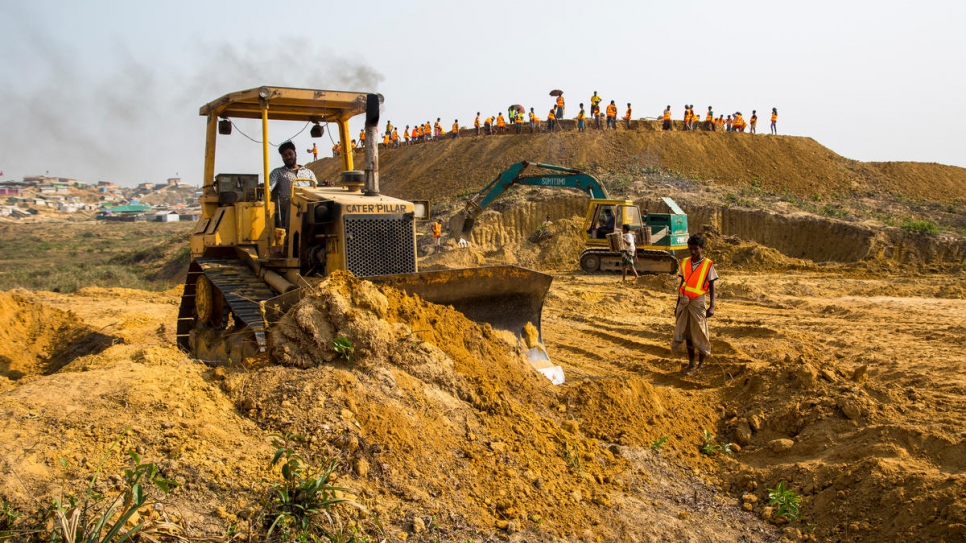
(924, 226)
(785, 501)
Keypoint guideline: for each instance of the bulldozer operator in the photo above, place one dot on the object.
(280, 182)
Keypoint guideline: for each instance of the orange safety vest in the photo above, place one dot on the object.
(560, 102)
(476, 123)
(774, 117)
(415, 133)
(362, 135)
(581, 116)
(709, 118)
(456, 127)
(385, 139)
(500, 121)
(551, 116)
(696, 281)
(667, 114)
(532, 117)
(611, 110)
(436, 230)
(395, 135)
(627, 116)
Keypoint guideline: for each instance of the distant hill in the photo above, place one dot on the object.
(798, 165)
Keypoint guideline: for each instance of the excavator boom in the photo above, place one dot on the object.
(461, 224)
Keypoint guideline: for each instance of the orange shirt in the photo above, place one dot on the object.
(476, 122)
(500, 121)
(667, 114)
(627, 115)
(456, 127)
(395, 135)
(560, 101)
(611, 110)
(774, 117)
(551, 116)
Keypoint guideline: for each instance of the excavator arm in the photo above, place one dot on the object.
(462, 223)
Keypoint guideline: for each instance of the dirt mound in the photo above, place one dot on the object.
(39, 339)
(776, 163)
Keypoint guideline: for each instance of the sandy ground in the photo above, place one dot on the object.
(848, 388)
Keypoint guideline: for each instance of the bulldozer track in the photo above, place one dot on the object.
(588, 265)
(241, 289)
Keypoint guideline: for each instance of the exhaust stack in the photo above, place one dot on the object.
(372, 144)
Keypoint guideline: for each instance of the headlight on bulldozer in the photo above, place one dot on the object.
(321, 213)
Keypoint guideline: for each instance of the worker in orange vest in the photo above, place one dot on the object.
(456, 128)
(627, 116)
(612, 115)
(315, 152)
(551, 119)
(667, 119)
(687, 117)
(500, 123)
(437, 232)
(395, 138)
(774, 121)
(438, 128)
(695, 305)
(476, 123)
(488, 126)
(709, 120)
(362, 138)
(581, 115)
(753, 121)
(533, 121)
(559, 114)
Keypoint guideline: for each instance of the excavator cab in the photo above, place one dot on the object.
(600, 214)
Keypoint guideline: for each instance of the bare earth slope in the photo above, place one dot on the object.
(799, 165)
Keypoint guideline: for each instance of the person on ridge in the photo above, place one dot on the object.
(595, 100)
(667, 119)
(559, 114)
(500, 123)
(709, 120)
(695, 305)
(753, 121)
(456, 128)
(627, 116)
(612, 115)
(551, 120)
(476, 123)
(774, 121)
(581, 116)
(315, 152)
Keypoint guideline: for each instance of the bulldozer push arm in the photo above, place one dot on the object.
(462, 223)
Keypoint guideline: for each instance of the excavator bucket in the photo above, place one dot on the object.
(507, 297)
(460, 225)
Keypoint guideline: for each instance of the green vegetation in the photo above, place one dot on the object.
(65, 257)
(344, 347)
(711, 447)
(572, 456)
(94, 518)
(924, 226)
(785, 501)
(303, 499)
(658, 443)
(8, 518)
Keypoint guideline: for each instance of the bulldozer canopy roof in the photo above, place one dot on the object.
(288, 104)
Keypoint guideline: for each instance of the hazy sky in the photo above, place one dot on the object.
(110, 90)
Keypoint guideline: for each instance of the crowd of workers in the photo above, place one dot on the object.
(518, 119)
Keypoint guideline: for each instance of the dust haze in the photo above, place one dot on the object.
(138, 122)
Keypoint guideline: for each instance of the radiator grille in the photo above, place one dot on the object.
(379, 245)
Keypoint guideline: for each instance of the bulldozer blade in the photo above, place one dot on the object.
(506, 297)
(460, 226)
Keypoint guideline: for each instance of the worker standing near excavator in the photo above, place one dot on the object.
(437, 233)
(628, 253)
(696, 304)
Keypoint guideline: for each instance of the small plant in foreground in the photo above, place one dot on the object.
(658, 443)
(81, 521)
(711, 447)
(8, 517)
(303, 497)
(786, 501)
(344, 347)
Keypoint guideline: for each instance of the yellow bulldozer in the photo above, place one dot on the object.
(247, 271)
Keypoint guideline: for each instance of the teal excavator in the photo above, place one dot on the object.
(658, 236)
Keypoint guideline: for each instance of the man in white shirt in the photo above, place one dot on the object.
(280, 182)
(629, 253)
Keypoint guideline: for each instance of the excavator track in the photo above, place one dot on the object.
(237, 294)
(648, 261)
